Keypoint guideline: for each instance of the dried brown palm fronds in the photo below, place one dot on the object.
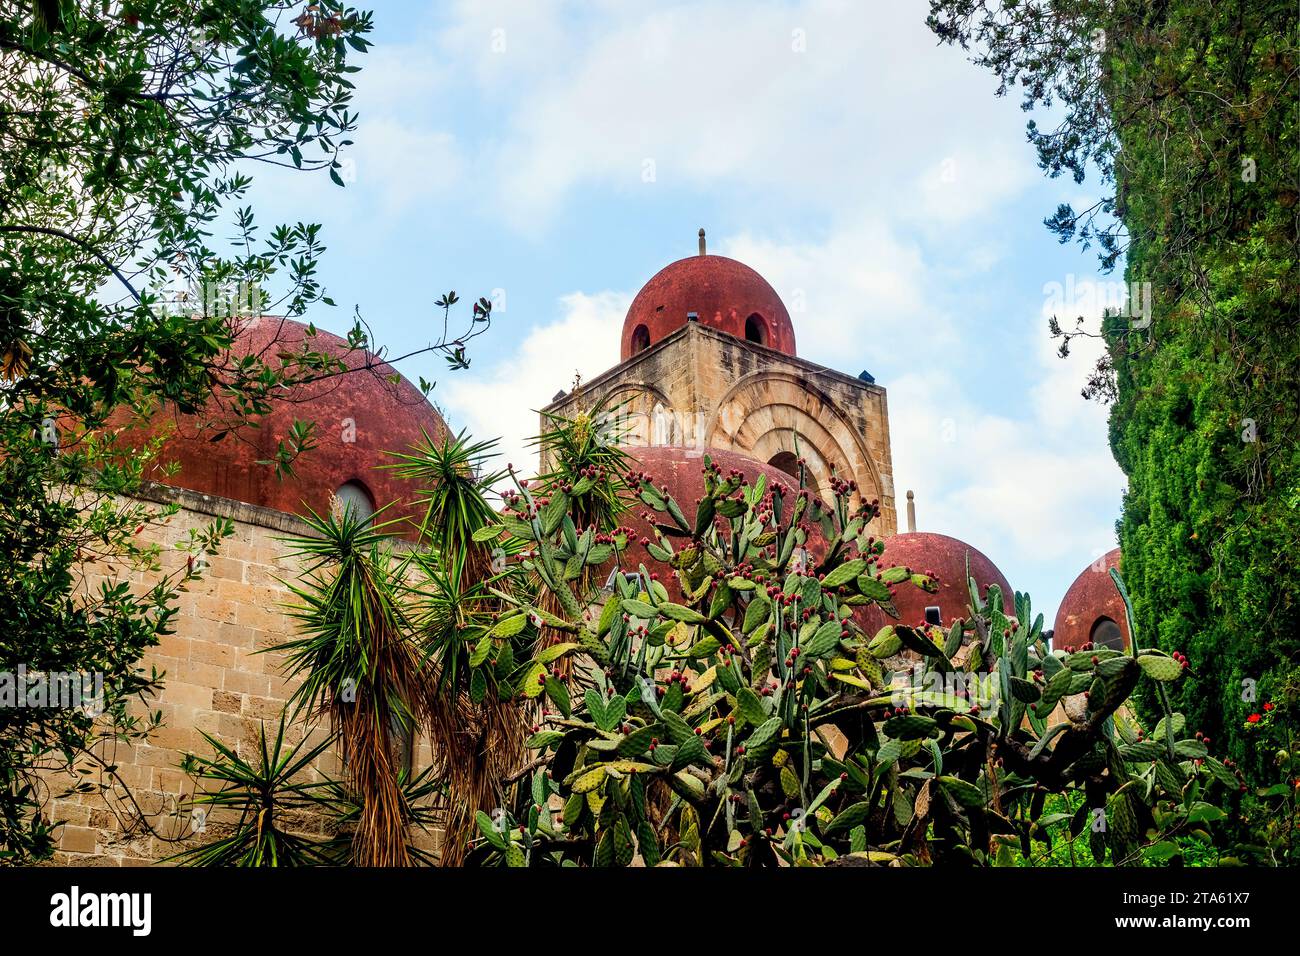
(361, 669)
(476, 727)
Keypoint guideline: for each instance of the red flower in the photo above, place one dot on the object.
(1269, 705)
(1253, 719)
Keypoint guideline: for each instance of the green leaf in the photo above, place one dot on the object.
(824, 641)
(639, 609)
(758, 612)
(964, 792)
(704, 647)
(763, 737)
(750, 706)
(886, 643)
(489, 830)
(1201, 812)
(850, 817)
(555, 652)
(488, 532)
(871, 588)
(543, 739)
(679, 612)
(529, 685)
(558, 693)
(596, 707)
(589, 779)
(637, 742)
(910, 726)
(509, 626)
(481, 651)
(1160, 668)
(842, 575)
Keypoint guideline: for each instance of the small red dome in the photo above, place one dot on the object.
(360, 416)
(725, 294)
(1092, 610)
(945, 558)
(682, 471)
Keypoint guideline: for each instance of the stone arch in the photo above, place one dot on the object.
(635, 418)
(762, 413)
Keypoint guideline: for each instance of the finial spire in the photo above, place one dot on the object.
(702, 240)
(911, 511)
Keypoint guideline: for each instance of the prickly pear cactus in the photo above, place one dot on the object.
(747, 719)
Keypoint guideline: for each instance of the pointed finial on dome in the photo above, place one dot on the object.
(911, 511)
(702, 240)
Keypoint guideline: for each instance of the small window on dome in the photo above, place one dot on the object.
(355, 498)
(640, 339)
(756, 329)
(1106, 633)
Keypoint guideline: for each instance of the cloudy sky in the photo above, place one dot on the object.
(554, 156)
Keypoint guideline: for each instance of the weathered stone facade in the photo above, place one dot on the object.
(217, 681)
(701, 388)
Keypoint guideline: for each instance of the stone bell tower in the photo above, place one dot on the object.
(708, 360)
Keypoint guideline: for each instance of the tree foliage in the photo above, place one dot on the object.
(1187, 111)
(128, 135)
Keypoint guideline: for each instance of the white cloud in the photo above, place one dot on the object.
(1038, 492)
(829, 104)
(852, 296)
(1029, 480)
(396, 165)
(894, 149)
(502, 401)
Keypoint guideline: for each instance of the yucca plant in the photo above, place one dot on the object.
(587, 462)
(276, 795)
(361, 668)
(459, 575)
(421, 794)
(271, 793)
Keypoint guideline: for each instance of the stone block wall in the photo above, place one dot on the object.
(217, 681)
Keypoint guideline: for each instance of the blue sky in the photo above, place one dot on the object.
(555, 155)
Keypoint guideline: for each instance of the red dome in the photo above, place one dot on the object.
(1090, 605)
(725, 294)
(945, 558)
(682, 471)
(359, 417)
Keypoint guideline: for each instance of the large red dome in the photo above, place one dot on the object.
(1092, 610)
(724, 294)
(360, 416)
(944, 558)
(681, 470)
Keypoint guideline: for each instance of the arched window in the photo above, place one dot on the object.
(640, 339)
(756, 329)
(787, 461)
(354, 497)
(1106, 633)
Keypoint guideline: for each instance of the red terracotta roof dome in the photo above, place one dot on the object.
(682, 471)
(1092, 610)
(723, 293)
(359, 416)
(944, 558)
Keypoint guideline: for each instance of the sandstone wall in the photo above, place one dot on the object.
(216, 682)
